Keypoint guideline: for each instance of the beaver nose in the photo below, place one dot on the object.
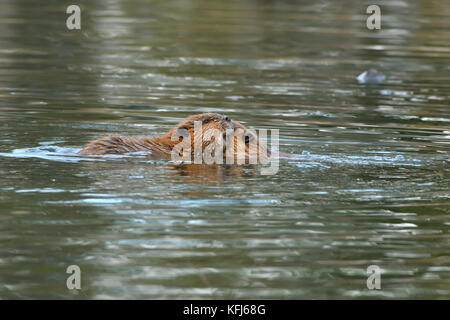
(227, 118)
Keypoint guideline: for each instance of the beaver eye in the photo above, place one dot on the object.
(206, 121)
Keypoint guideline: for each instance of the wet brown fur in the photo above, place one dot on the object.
(162, 146)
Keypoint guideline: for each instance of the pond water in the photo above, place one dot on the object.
(368, 185)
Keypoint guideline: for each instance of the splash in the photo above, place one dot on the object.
(65, 154)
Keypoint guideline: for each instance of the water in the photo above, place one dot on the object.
(368, 183)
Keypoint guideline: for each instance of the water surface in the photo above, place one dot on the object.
(369, 183)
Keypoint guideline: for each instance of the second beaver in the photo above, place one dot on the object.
(243, 141)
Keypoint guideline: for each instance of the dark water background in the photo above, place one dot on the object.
(370, 184)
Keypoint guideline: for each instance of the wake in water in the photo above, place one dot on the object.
(66, 154)
(307, 160)
(303, 160)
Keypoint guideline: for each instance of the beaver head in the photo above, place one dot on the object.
(213, 132)
(203, 130)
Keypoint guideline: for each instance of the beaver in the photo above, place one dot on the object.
(242, 140)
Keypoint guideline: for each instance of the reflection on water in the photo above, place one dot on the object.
(368, 182)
